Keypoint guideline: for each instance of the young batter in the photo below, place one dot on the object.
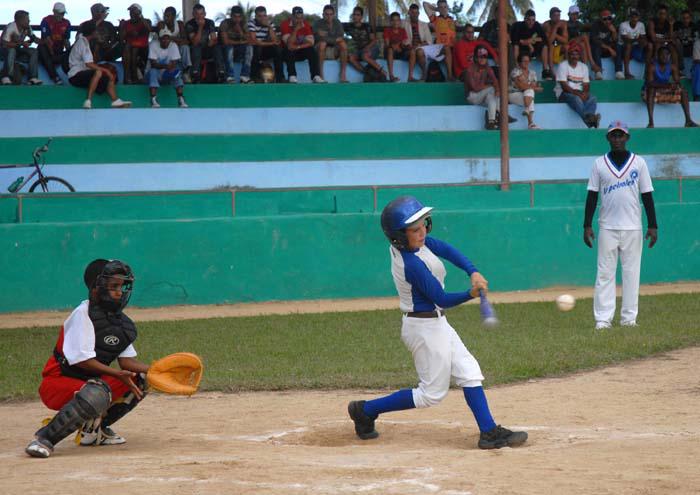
(438, 352)
(78, 381)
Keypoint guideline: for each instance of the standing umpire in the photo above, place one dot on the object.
(619, 176)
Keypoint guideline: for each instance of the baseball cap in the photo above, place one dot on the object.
(165, 32)
(297, 10)
(574, 10)
(553, 10)
(135, 6)
(573, 47)
(618, 125)
(482, 51)
(59, 7)
(98, 8)
(633, 11)
(605, 13)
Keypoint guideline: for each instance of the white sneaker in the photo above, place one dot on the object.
(5, 81)
(230, 79)
(182, 103)
(34, 81)
(87, 104)
(599, 76)
(319, 80)
(293, 79)
(119, 103)
(104, 435)
(602, 325)
(619, 75)
(38, 449)
(245, 79)
(154, 103)
(628, 323)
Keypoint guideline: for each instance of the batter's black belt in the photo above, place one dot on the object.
(426, 314)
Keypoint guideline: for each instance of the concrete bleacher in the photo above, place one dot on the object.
(320, 135)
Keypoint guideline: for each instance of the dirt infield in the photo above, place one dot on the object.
(631, 428)
(53, 318)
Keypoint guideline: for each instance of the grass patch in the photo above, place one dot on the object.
(364, 349)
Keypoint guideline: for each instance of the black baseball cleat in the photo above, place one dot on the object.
(364, 425)
(501, 437)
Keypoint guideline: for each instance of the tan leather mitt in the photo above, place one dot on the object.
(178, 373)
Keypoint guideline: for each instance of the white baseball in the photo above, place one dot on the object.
(566, 302)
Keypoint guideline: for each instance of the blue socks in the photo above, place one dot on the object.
(398, 401)
(476, 400)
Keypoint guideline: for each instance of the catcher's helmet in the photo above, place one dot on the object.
(97, 275)
(399, 214)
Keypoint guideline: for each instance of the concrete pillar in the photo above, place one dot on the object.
(187, 8)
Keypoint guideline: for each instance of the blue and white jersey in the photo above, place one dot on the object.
(619, 187)
(420, 276)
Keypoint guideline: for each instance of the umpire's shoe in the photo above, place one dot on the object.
(501, 437)
(364, 425)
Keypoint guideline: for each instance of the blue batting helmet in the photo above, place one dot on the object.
(399, 214)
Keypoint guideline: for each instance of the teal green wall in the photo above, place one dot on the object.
(331, 247)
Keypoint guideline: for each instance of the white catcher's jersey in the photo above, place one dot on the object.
(619, 190)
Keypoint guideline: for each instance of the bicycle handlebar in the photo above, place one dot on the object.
(40, 150)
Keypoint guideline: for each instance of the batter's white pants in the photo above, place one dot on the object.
(438, 354)
(628, 245)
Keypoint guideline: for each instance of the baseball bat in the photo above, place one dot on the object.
(488, 315)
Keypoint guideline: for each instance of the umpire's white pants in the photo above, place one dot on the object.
(628, 245)
(438, 354)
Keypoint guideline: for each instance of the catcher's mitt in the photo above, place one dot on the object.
(178, 373)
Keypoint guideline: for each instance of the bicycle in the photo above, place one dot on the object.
(46, 182)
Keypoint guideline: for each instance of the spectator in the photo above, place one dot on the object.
(204, 44)
(631, 43)
(105, 43)
(397, 45)
(573, 87)
(684, 31)
(421, 42)
(481, 86)
(164, 61)
(365, 43)
(660, 34)
(576, 35)
(604, 40)
(445, 31)
(523, 86)
(86, 73)
(528, 36)
(298, 39)
(557, 38)
(489, 31)
(329, 33)
(266, 46)
(234, 39)
(464, 51)
(696, 67)
(179, 36)
(55, 42)
(15, 46)
(663, 85)
(133, 34)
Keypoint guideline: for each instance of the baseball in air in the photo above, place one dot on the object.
(566, 302)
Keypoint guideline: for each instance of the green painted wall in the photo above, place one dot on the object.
(325, 255)
(289, 95)
(375, 146)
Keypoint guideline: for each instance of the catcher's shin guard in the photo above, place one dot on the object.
(124, 404)
(89, 403)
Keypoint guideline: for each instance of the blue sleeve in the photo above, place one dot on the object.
(418, 275)
(67, 33)
(45, 30)
(451, 254)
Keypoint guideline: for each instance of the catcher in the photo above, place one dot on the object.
(78, 381)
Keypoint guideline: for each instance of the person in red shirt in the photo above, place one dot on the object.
(397, 45)
(298, 41)
(464, 51)
(134, 36)
(55, 42)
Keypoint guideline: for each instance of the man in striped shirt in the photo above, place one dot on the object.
(265, 44)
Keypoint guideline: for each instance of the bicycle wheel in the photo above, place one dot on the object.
(51, 184)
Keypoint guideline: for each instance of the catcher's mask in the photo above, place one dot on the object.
(400, 214)
(102, 274)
